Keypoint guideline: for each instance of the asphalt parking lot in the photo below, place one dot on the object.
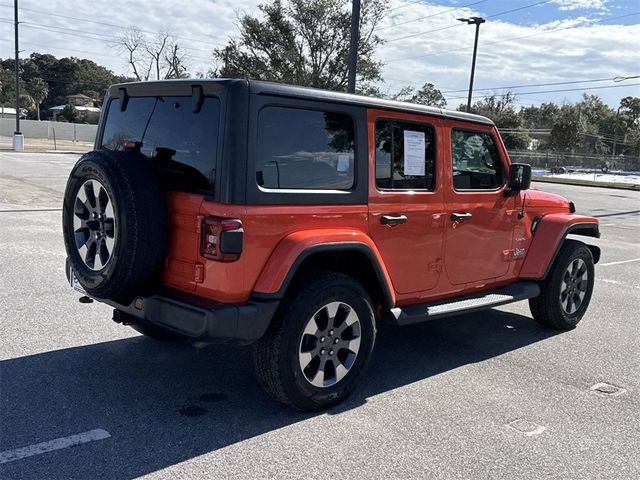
(485, 395)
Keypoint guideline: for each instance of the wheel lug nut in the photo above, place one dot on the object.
(336, 341)
(330, 352)
(322, 339)
(330, 332)
(322, 351)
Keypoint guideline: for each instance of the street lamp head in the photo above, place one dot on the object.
(472, 20)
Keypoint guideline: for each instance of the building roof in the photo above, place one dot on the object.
(79, 95)
(58, 108)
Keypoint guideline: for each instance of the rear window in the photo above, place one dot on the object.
(181, 143)
(304, 149)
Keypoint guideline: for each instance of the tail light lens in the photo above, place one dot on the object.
(222, 239)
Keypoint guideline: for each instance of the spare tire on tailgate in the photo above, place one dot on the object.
(114, 222)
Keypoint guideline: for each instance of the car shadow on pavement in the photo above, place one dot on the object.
(165, 403)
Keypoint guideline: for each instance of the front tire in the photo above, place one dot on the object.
(319, 343)
(566, 292)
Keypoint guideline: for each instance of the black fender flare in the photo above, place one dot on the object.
(333, 247)
(585, 230)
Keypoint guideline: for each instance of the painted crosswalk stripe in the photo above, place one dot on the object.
(51, 445)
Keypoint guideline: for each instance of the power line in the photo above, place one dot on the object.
(61, 48)
(442, 52)
(109, 39)
(81, 33)
(428, 16)
(51, 14)
(462, 24)
(403, 6)
(532, 85)
(555, 91)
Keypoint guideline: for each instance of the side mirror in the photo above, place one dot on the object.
(519, 176)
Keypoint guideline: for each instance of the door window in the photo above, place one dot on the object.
(476, 163)
(405, 153)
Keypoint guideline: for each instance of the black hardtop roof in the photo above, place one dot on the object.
(260, 87)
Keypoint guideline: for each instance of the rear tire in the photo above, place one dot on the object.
(319, 343)
(566, 292)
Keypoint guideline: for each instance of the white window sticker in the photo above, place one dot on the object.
(414, 153)
(343, 163)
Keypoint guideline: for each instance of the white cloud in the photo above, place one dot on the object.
(581, 4)
(536, 55)
(562, 50)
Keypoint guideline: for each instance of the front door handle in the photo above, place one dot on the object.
(461, 217)
(391, 220)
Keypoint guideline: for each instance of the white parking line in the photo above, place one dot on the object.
(616, 282)
(620, 262)
(51, 445)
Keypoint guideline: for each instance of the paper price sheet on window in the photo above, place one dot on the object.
(414, 154)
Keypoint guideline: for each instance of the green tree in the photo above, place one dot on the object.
(501, 109)
(542, 117)
(427, 95)
(38, 89)
(69, 114)
(7, 87)
(303, 42)
(630, 106)
(565, 133)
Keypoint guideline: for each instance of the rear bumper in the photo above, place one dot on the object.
(198, 319)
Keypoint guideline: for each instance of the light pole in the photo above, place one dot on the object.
(353, 46)
(18, 138)
(477, 21)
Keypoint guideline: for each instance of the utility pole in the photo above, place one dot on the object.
(615, 134)
(18, 138)
(353, 46)
(477, 21)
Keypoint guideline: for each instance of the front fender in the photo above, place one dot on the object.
(294, 248)
(549, 236)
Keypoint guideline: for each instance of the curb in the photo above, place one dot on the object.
(587, 183)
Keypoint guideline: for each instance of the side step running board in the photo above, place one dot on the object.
(431, 311)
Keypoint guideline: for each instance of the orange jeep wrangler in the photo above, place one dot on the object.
(296, 219)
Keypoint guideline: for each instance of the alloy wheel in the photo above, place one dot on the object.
(330, 344)
(574, 286)
(94, 225)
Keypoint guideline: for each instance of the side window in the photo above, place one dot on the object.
(476, 163)
(404, 155)
(304, 149)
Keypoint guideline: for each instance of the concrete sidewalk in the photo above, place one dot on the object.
(43, 145)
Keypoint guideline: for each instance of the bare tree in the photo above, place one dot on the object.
(155, 51)
(160, 55)
(175, 60)
(132, 41)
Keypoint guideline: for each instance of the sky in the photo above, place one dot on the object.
(553, 50)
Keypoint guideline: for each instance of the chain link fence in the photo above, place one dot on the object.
(554, 162)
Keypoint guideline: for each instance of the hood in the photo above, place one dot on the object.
(536, 198)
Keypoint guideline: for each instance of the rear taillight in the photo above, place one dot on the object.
(222, 239)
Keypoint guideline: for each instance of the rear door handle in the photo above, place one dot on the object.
(391, 220)
(461, 217)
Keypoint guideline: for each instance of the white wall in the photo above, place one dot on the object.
(63, 131)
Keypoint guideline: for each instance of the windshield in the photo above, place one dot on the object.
(181, 143)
